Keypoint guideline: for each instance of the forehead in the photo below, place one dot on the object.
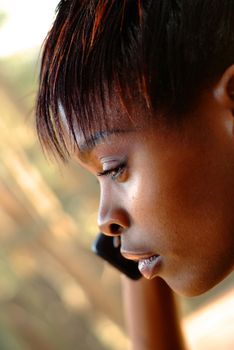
(114, 115)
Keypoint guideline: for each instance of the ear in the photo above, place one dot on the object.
(224, 89)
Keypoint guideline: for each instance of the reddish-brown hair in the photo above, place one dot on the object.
(161, 51)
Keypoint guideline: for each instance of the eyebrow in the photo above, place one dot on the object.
(88, 145)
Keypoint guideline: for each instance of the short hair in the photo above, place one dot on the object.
(163, 51)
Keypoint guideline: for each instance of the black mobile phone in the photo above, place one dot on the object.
(103, 246)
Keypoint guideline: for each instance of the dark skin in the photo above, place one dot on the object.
(151, 315)
(168, 192)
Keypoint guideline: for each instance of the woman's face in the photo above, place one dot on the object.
(168, 192)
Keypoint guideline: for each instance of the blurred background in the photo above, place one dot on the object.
(54, 293)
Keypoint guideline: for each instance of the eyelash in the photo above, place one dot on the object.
(118, 170)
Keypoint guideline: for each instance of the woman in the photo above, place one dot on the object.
(142, 94)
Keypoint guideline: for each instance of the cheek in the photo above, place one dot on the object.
(182, 202)
(152, 207)
(158, 193)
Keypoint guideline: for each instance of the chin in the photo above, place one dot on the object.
(193, 286)
(190, 291)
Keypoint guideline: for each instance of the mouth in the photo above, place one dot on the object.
(148, 264)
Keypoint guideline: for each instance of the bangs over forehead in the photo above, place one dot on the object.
(152, 51)
(92, 52)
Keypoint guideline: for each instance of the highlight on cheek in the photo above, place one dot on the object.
(127, 86)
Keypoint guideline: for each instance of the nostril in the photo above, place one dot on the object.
(115, 229)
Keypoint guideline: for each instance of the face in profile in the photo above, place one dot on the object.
(168, 193)
(166, 184)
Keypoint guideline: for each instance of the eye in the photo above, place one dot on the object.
(114, 173)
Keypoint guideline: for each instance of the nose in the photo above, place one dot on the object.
(113, 221)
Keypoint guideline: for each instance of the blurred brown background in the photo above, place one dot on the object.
(54, 293)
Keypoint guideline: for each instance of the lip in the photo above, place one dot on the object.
(149, 264)
(149, 267)
(135, 255)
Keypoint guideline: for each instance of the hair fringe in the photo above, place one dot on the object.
(148, 50)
